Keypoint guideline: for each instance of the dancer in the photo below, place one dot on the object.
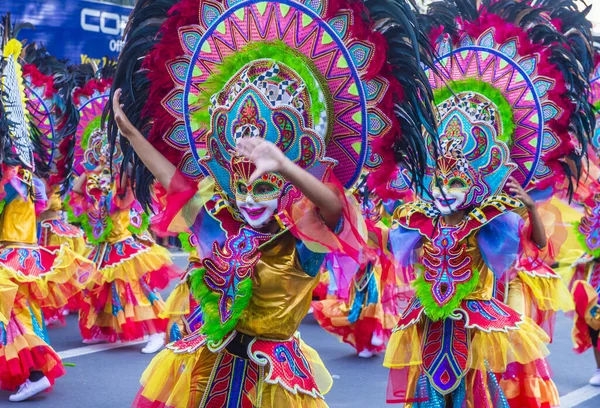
(48, 87)
(466, 322)
(126, 304)
(586, 280)
(276, 111)
(364, 310)
(46, 277)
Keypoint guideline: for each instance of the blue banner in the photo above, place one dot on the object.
(77, 30)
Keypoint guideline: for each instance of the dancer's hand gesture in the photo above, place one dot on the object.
(126, 128)
(515, 188)
(265, 155)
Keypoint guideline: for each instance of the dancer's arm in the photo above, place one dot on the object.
(269, 158)
(78, 186)
(538, 232)
(158, 164)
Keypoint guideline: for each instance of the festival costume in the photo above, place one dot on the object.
(125, 303)
(364, 312)
(469, 321)
(310, 78)
(48, 87)
(585, 283)
(46, 277)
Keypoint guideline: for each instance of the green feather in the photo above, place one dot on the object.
(432, 309)
(142, 228)
(276, 51)
(184, 238)
(492, 94)
(95, 123)
(84, 221)
(213, 328)
(582, 241)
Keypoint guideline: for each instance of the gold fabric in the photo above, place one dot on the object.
(281, 294)
(18, 222)
(120, 231)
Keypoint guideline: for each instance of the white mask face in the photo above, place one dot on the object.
(450, 200)
(257, 215)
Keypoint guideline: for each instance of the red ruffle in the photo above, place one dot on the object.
(16, 371)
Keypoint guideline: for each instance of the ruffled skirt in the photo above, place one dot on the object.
(179, 377)
(46, 278)
(538, 294)
(365, 321)
(587, 307)
(24, 347)
(459, 358)
(125, 304)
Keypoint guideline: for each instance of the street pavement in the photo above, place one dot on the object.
(106, 376)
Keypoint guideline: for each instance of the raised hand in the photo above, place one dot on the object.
(126, 128)
(515, 188)
(265, 155)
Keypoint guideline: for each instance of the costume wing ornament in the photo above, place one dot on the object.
(511, 93)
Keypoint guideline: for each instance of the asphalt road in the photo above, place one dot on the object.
(109, 378)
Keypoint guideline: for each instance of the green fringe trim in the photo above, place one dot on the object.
(212, 328)
(184, 238)
(84, 222)
(495, 96)
(274, 50)
(581, 239)
(143, 228)
(96, 123)
(2, 205)
(432, 309)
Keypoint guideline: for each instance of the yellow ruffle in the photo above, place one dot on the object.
(549, 293)
(404, 347)
(8, 291)
(496, 350)
(152, 259)
(71, 274)
(180, 380)
(76, 244)
(488, 351)
(178, 302)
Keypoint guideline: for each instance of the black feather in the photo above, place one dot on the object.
(409, 50)
(141, 35)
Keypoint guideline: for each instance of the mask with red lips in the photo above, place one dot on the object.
(257, 202)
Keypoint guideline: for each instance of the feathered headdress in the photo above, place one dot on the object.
(358, 65)
(90, 98)
(514, 76)
(20, 135)
(48, 86)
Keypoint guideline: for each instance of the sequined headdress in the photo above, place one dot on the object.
(90, 98)
(512, 84)
(314, 74)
